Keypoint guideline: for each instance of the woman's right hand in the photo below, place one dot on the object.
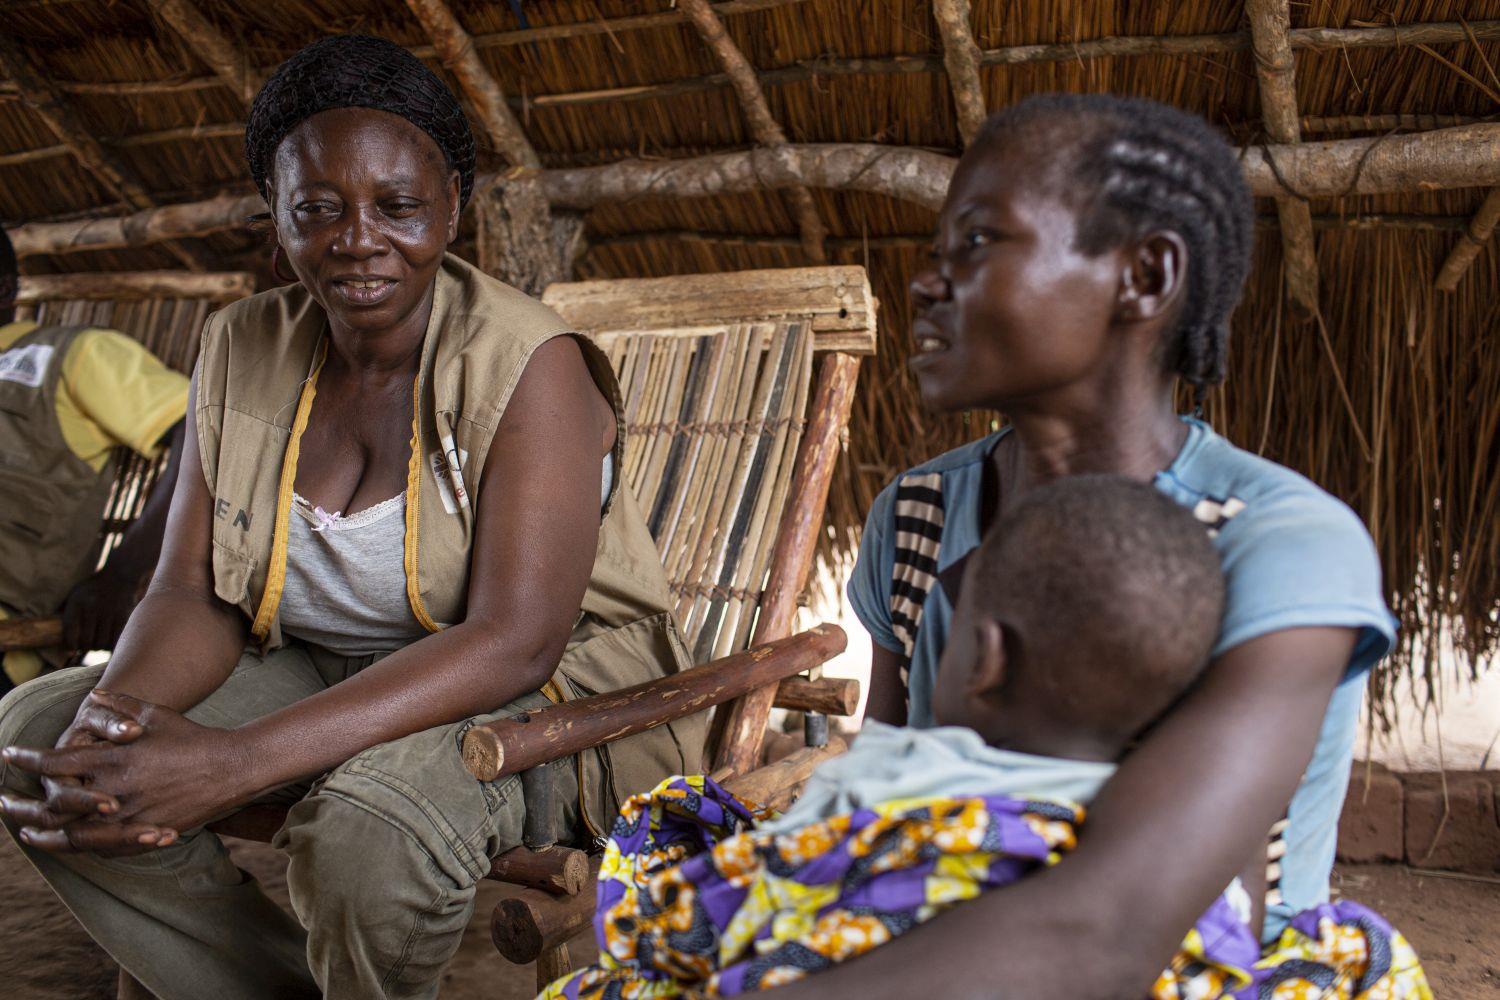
(72, 817)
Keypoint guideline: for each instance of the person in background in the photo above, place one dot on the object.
(69, 397)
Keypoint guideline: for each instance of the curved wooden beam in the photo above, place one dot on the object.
(902, 172)
(1446, 158)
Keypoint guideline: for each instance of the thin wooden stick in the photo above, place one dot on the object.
(1310, 39)
(1478, 233)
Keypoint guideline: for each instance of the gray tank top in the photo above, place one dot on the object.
(346, 580)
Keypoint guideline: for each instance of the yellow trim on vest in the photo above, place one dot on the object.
(413, 512)
(270, 600)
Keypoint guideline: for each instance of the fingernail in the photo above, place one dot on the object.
(147, 838)
(8, 753)
(107, 807)
(26, 834)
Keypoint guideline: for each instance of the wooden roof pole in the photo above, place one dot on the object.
(1275, 68)
(767, 131)
(961, 59)
(520, 241)
(211, 45)
(113, 173)
(1311, 39)
(456, 49)
(1479, 230)
(1468, 156)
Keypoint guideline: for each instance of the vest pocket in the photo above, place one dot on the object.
(29, 506)
(617, 658)
(232, 573)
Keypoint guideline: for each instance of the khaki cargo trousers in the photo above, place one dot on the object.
(385, 852)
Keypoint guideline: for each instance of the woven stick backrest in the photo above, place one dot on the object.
(712, 427)
(170, 329)
(716, 372)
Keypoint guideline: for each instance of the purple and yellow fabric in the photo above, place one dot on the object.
(694, 901)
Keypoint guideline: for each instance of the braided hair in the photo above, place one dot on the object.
(1138, 165)
(357, 71)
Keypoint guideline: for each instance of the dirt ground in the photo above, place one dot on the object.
(1454, 924)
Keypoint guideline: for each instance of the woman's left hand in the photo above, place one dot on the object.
(176, 775)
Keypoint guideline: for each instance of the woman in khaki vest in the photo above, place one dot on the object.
(407, 519)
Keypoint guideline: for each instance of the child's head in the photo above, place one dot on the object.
(1083, 235)
(1085, 614)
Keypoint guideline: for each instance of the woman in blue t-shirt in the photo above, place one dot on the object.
(1088, 256)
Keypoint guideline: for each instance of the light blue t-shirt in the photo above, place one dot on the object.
(1293, 557)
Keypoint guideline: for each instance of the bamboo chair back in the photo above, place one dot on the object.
(716, 373)
(170, 329)
(712, 427)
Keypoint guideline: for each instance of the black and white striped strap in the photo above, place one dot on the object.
(919, 534)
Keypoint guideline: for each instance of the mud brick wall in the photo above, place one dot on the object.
(1423, 820)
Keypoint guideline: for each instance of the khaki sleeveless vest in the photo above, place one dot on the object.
(257, 376)
(51, 501)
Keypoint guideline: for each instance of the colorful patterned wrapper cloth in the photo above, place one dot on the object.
(693, 901)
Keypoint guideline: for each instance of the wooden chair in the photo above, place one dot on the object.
(730, 449)
(165, 311)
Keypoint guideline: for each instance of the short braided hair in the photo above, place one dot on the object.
(1139, 165)
(357, 71)
(1095, 570)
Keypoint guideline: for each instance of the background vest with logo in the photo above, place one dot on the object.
(51, 501)
(257, 376)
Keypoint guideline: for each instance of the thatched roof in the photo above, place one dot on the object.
(1391, 402)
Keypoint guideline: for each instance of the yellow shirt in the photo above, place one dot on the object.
(112, 392)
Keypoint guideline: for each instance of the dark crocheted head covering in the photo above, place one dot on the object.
(357, 71)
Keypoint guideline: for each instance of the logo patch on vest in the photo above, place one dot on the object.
(26, 365)
(447, 470)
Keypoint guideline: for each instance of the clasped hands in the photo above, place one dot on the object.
(126, 776)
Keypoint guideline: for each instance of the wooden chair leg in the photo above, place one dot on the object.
(551, 965)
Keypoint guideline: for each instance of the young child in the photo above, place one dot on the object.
(1082, 618)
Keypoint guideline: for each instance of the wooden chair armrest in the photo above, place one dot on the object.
(530, 923)
(30, 633)
(510, 746)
